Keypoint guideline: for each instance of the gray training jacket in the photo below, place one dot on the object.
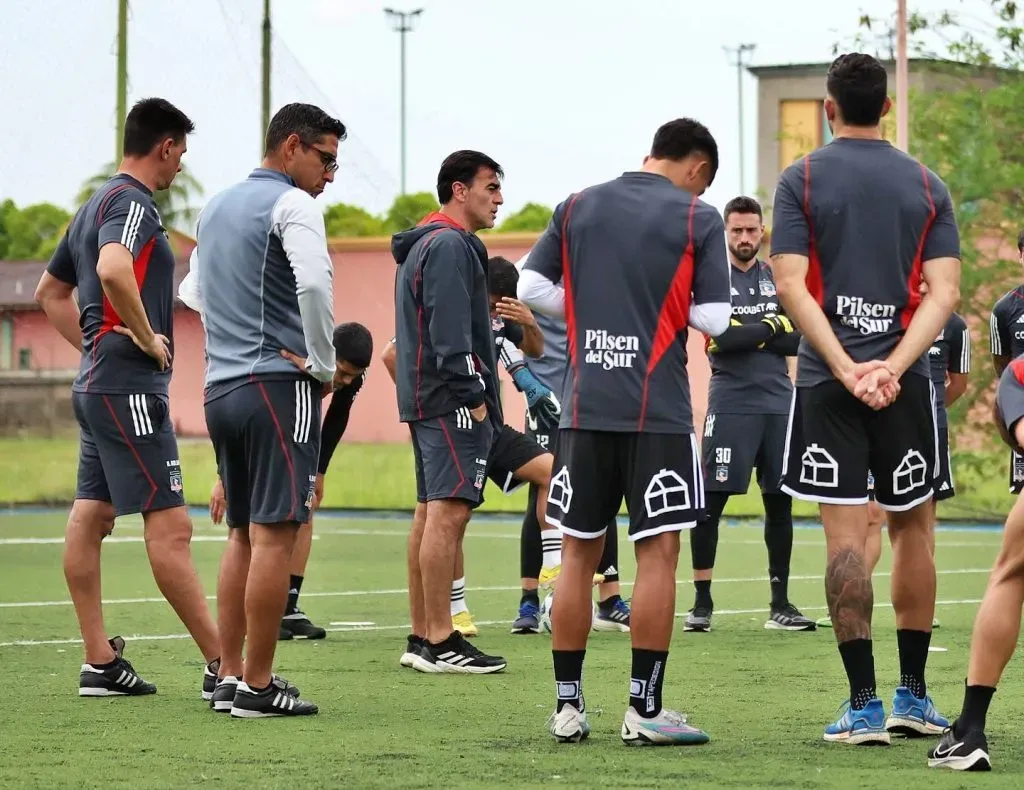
(262, 279)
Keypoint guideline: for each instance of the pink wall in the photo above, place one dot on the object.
(363, 291)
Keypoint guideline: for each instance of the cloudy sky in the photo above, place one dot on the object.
(562, 92)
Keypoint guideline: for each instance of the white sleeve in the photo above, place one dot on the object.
(538, 293)
(300, 226)
(188, 291)
(711, 318)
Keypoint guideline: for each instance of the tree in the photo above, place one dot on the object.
(407, 210)
(345, 220)
(176, 205)
(531, 217)
(31, 233)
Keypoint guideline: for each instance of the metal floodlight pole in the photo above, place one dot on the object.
(902, 78)
(265, 77)
(402, 23)
(122, 77)
(740, 51)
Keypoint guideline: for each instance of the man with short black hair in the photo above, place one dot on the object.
(857, 227)
(745, 426)
(262, 279)
(627, 428)
(116, 253)
(447, 387)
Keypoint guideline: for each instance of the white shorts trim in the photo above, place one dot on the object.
(903, 508)
(512, 484)
(554, 522)
(650, 533)
(824, 500)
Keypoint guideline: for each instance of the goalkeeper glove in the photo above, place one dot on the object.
(713, 344)
(527, 383)
(543, 415)
(779, 324)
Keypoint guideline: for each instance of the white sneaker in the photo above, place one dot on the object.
(569, 725)
(668, 728)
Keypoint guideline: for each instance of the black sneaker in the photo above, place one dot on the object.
(698, 619)
(224, 695)
(249, 704)
(456, 655)
(117, 680)
(210, 679)
(968, 752)
(412, 649)
(788, 618)
(298, 626)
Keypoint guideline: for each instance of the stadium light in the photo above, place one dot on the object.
(401, 23)
(902, 100)
(741, 51)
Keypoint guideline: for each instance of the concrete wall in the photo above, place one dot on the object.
(363, 291)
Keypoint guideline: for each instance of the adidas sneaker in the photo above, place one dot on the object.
(457, 656)
(224, 695)
(118, 679)
(272, 701)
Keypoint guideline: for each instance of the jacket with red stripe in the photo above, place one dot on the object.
(122, 212)
(445, 348)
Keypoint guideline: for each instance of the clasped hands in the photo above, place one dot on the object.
(874, 383)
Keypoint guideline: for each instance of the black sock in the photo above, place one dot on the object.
(778, 537)
(530, 596)
(108, 665)
(645, 681)
(294, 588)
(610, 601)
(568, 677)
(263, 690)
(703, 597)
(860, 669)
(976, 702)
(913, 647)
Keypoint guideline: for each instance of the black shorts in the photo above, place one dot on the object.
(658, 474)
(266, 435)
(451, 453)
(834, 440)
(1016, 472)
(128, 454)
(734, 444)
(944, 487)
(511, 451)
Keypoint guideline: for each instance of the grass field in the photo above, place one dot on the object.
(764, 696)
(380, 476)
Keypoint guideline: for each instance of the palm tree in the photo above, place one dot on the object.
(175, 205)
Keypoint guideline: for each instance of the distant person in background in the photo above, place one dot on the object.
(116, 254)
(353, 347)
(262, 279)
(1006, 341)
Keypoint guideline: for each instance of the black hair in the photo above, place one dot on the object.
(462, 167)
(502, 277)
(858, 83)
(308, 121)
(742, 205)
(1020, 241)
(678, 139)
(353, 343)
(150, 122)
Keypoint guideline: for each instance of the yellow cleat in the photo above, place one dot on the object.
(463, 623)
(548, 576)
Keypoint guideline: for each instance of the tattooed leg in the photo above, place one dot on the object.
(847, 577)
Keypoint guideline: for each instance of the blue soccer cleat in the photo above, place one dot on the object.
(863, 727)
(913, 716)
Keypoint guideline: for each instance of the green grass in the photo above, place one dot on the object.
(380, 476)
(764, 696)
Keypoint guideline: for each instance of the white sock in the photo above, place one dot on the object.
(458, 598)
(551, 541)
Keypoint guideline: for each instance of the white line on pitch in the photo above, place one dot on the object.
(405, 626)
(509, 588)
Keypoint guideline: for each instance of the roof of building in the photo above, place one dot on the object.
(820, 69)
